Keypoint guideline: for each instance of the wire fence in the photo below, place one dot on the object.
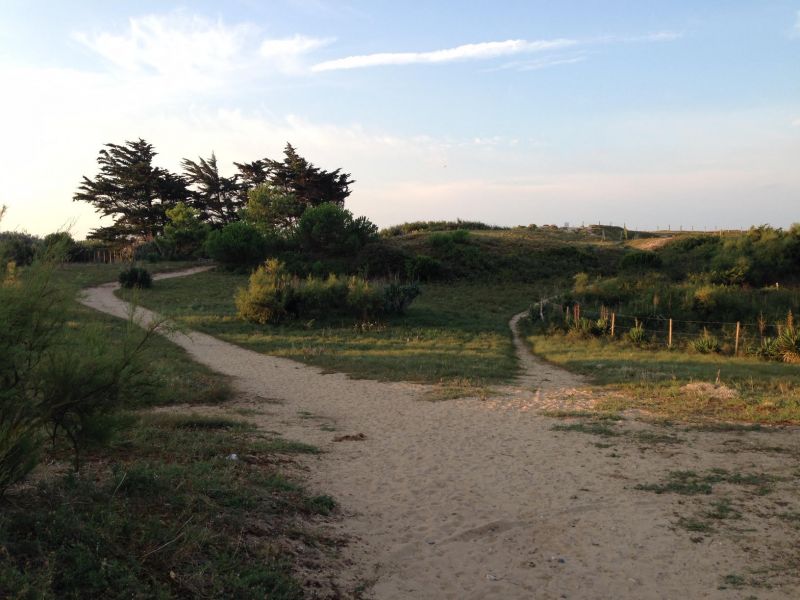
(728, 337)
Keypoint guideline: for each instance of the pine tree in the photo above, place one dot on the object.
(217, 198)
(132, 191)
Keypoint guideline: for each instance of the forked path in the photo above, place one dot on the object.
(471, 499)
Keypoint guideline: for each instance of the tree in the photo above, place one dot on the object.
(132, 191)
(295, 176)
(310, 185)
(217, 198)
(185, 229)
(331, 229)
(272, 209)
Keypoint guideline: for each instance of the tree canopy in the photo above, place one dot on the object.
(217, 198)
(132, 190)
(138, 194)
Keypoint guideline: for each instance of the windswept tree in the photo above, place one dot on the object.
(216, 197)
(131, 190)
(309, 184)
(297, 177)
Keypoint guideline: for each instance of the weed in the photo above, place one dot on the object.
(690, 483)
(593, 428)
(695, 525)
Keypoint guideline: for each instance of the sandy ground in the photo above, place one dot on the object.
(481, 499)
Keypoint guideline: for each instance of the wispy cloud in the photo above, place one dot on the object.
(480, 51)
(539, 63)
(488, 50)
(180, 45)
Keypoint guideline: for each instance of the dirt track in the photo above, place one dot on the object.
(479, 499)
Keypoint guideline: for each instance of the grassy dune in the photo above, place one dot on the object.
(452, 332)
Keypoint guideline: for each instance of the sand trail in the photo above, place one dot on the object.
(470, 499)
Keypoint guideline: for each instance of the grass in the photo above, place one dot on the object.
(751, 390)
(690, 483)
(164, 510)
(455, 333)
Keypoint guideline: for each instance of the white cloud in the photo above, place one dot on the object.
(539, 63)
(189, 46)
(480, 51)
(287, 53)
(487, 50)
(797, 23)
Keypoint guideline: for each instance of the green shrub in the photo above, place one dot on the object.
(331, 229)
(397, 297)
(448, 239)
(640, 261)
(274, 295)
(18, 247)
(237, 244)
(787, 345)
(363, 300)
(706, 343)
(423, 268)
(637, 334)
(60, 244)
(767, 349)
(135, 277)
(185, 231)
(381, 259)
(268, 296)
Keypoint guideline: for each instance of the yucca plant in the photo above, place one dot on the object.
(636, 334)
(787, 345)
(706, 343)
(766, 349)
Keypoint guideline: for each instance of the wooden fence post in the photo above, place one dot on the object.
(736, 343)
(613, 322)
(669, 339)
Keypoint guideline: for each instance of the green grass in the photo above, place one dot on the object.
(654, 380)
(163, 513)
(456, 332)
(690, 483)
(163, 510)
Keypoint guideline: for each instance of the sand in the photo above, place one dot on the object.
(481, 499)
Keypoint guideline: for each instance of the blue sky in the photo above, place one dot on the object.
(648, 113)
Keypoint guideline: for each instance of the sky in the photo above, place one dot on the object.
(646, 113)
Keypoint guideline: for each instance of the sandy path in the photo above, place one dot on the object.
(471, 499)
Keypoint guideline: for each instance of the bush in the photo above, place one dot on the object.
(449, 239)
(17, 247)
(61, 245)
(706, 343)
(381, 259)
(274, 295)
(331, 229)
(423, 268)
(185, 231)
(397, 297)
(640, 261)
(636, 334)
(44, 382)
(787, 345)
(135, 277)
(237, 244)
(268, 296)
